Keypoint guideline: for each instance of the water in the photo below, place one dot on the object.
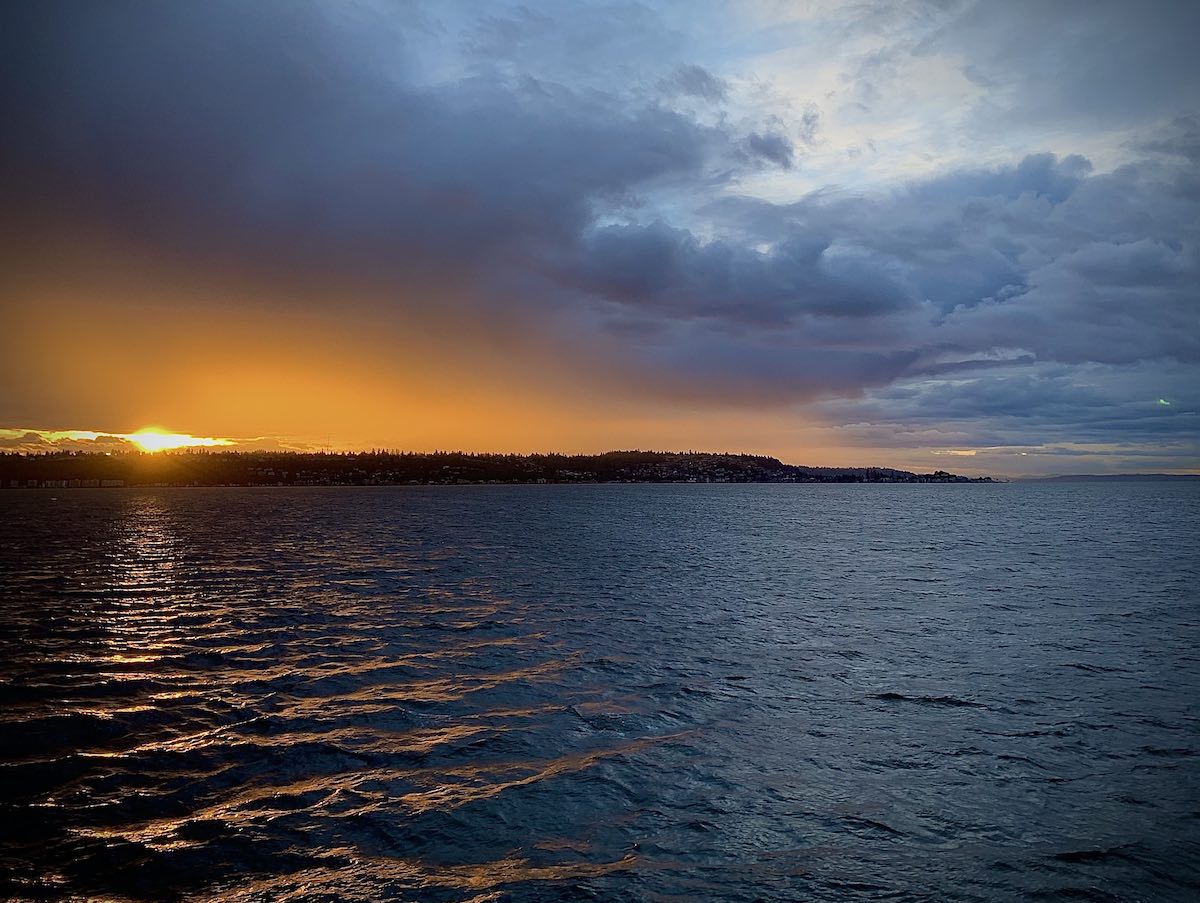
(947, 692)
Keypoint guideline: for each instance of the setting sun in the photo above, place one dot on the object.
(155, 440)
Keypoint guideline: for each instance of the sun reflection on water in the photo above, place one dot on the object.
(223, 689)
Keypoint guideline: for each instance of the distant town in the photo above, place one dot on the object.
(87, 470)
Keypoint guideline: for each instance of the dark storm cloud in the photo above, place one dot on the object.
(1110, 273)
(1039, 258)
(549, 160)
(252, 129)
(669, 270)
(1037, 265)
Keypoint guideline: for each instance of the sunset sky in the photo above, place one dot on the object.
(956, 235)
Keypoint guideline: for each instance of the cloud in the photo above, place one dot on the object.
(672, 272)
(258, 133)
(770, 147)
(599, 178)
(1032, 406)
(22, 441)
(695, 81)
(1096, 62)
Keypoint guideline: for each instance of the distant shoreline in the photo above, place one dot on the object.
(209, 468)
(994, 481)
(1113, 478)
(90, 470)
(497, 483)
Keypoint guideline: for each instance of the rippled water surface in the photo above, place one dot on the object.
(946, 692)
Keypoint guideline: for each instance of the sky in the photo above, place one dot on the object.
(928, 234)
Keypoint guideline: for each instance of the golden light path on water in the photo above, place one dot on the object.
(146, 637)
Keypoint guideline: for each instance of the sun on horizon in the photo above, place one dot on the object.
(153, 439)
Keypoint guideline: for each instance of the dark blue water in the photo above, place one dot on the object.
(946, 692)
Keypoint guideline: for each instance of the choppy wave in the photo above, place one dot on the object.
(627, 693)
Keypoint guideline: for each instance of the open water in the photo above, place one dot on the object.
(544, 693)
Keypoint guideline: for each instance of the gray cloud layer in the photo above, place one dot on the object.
(1033, 302)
